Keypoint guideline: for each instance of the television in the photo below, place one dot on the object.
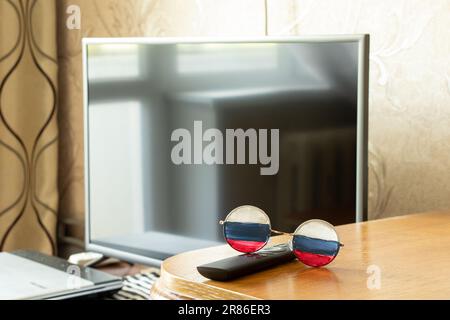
(180, 131)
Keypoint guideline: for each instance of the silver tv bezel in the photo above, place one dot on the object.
(362, 121)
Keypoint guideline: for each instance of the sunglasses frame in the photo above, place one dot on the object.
(289, 243)
(222, 223)
(326, 223)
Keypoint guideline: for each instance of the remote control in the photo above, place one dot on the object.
(238, 266)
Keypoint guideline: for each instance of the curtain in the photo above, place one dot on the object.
(28, 125)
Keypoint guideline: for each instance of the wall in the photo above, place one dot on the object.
(409, 91)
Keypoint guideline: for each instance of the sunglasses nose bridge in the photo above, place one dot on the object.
(281, 232)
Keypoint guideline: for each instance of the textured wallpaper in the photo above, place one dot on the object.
(409, 121)
(409, 91)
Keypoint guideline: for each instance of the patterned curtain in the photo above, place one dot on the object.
(28, 125)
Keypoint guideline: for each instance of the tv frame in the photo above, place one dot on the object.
(363, 41)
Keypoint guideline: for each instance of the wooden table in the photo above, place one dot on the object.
(411, 255)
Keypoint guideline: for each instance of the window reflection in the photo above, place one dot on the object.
(116, 163)
(114, 62)
(215, 58)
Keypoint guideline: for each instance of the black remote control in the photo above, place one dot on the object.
(238, 266)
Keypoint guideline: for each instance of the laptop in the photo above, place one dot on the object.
(28, 275)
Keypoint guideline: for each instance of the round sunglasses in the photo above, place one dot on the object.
(315, 242)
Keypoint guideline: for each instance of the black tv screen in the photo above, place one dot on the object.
(179, 133)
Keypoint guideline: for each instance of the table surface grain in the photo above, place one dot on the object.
(405, 257)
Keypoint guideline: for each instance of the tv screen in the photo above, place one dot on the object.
(180, 132)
